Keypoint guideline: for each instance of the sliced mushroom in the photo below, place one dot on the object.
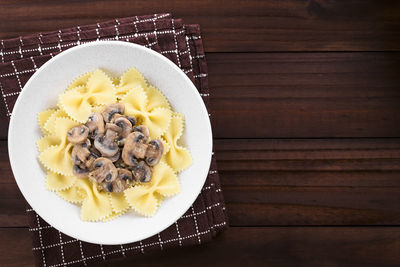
(117, 186)
(103, 170)
(95, 124)
(78, 134)
(134, 147)
(120, 163)
(113, 127)
(106, 143)
(94, 152)
(122, 182)
(115, 157)
(80, 172)
(132, 120)
(89, 162)
(120, 141)
(154, 152)
(116, 116)
(142, 129)
(125, 175)
(108, 187)
(125, 125)
(81, 152)
(111, 110)
(141, 172)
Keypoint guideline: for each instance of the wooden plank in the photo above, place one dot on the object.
(288, 182)
(15, 247)
(266, 205)
(310, 95)
(238, 26)
(260, 246)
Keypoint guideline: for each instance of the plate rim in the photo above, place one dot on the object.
(10, 141)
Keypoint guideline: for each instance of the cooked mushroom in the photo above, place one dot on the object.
(107, 186)
(80, 172)
(94, 152)
(154, 152)
(89, 162)
(120, 141)
(141, 172)
(106, 143)
(95, 124)
(125, 175)
(125, 125)
(142, 129)
(134, 147)
(117, 186)
(110, 157)
(81, 152)
(132, 120)
(103, 170)
(116, 116)
(115, 157)
(113, 127)
(78, 134)
(122, 182)
(111, 110)
(120, 164)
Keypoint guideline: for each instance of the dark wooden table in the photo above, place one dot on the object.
(306, 97)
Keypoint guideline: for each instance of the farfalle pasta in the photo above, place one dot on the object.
(156, 118)
(76, 150)
(178, 157)
(78, 101)
(57, 157)
(58, 182)
(132, 78)
(146, 198)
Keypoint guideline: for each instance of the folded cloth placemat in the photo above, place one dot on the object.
(182, 44)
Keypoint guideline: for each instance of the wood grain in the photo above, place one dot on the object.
(307, 131)
(308, 95)
(232, 26)
(257, 246)
(287, 182)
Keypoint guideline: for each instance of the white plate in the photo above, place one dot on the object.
(41, 92)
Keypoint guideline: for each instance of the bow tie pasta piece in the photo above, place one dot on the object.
(43, 117)
(96, 206)
(78, 102)
(72, 194)
(118, 202)
(146, 198)
(57, 158)
(49, 125)
(177, 156)
(157, 119)
(165, 145)
(46, 142)
(57, 182)
(80, 81)
(132, 78)
(142, 200)
(156, 99)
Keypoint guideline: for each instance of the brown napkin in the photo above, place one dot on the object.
(182, 44)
